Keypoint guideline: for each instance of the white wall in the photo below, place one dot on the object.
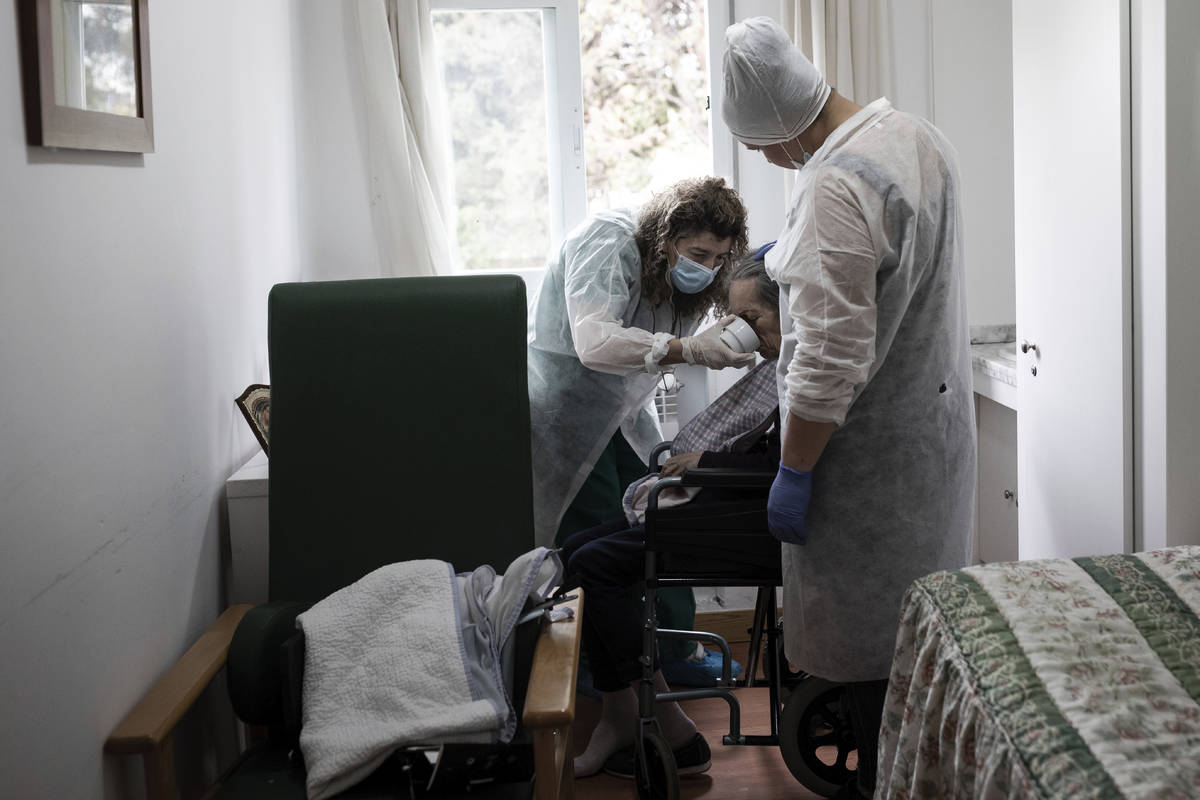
(972, 105)
(954, 67)
(912, 57)
(133, 304)
(1182, 38)
(952, 64)
(1166, 196)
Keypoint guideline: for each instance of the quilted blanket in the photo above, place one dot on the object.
(411, 654)
(1053, 678)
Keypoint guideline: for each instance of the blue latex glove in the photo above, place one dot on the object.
(788, 505)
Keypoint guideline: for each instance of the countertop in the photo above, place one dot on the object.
(994, 363)
(997, 360)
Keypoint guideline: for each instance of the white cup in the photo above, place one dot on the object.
(739, 337)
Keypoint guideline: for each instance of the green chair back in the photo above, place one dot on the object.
(399, 428)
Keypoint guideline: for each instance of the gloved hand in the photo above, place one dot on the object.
(787, 505)
(707, 349)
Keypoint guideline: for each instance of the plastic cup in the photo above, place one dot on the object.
(739, 336)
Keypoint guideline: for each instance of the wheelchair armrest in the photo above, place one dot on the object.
(727, 478)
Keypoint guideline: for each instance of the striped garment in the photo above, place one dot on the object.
(1059, 678)
(730, 424)
(734, 420)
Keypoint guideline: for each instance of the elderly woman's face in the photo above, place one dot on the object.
(745, 302)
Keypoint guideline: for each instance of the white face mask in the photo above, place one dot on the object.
(804, 157)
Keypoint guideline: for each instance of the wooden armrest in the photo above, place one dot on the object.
(151, 721)
(550, 700)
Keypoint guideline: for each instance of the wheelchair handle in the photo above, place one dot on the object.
(659, 485)
(658, 450)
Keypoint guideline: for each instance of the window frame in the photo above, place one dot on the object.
(564, 113)
(566, 157)
(723, 152)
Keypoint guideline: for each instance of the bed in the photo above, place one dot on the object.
(1059, 678)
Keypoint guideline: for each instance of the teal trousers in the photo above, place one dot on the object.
(599, 501)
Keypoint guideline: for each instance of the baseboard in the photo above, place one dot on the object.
(734, 625)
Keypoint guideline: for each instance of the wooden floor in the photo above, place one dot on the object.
(737, 772)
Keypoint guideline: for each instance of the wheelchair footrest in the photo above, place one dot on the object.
(750, 741)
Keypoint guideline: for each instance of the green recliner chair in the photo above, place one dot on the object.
(399, 431)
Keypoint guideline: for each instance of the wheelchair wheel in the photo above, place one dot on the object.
(657, 776)
(815, 736)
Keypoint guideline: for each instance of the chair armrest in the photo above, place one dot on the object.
(550, 699)
(151, 721)
(727, 478)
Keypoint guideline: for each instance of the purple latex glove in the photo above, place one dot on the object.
(787, 505)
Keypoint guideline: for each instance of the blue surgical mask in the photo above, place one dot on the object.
(690, 277)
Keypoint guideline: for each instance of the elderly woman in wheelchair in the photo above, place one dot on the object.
(740, 430)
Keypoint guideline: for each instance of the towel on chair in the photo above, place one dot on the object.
(411, 654)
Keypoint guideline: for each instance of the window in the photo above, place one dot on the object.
(529, 83)
(511, 75)
(645, 94)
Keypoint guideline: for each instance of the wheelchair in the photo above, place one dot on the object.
(728, 544)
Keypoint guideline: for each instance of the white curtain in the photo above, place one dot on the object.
(849, 41)
(408, 138)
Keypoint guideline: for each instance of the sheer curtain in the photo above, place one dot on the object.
(411, 173)
(850, 41)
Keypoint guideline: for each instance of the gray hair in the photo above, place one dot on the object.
(755, 269)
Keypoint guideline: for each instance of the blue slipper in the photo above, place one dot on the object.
(698, 672)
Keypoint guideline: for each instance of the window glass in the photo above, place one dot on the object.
(645, 94)
(494, 76)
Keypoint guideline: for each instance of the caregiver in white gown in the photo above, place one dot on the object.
(876, 483)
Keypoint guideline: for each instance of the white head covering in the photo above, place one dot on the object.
(772, 92)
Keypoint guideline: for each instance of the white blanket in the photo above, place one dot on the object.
(410, 654)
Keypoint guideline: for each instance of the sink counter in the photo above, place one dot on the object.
(994, 364)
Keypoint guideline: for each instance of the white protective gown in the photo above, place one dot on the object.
(873, 316)
(594, 348)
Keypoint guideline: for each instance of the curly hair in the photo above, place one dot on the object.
(692, 206)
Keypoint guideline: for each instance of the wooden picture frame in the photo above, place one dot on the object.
(255, 405)
(50, 122)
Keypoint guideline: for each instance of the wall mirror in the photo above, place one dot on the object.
(87, 74)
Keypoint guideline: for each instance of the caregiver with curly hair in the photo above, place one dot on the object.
(617, 307)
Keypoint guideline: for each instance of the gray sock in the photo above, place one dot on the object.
(613, 732)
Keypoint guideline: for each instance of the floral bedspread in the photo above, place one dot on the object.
(1059, 678)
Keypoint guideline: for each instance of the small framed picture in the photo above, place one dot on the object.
(255, 404)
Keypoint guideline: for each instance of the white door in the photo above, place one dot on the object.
(1071, 126)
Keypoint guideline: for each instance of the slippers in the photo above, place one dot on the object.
(698, 672)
